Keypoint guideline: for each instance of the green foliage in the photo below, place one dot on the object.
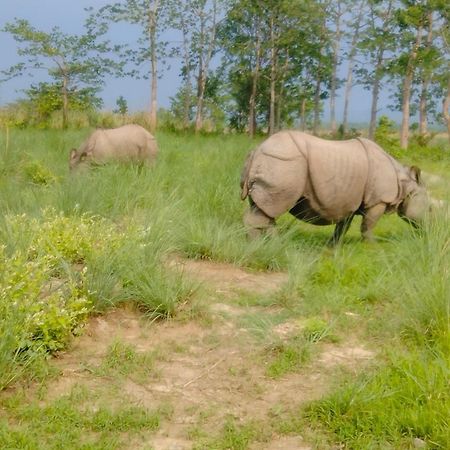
(287, 357)
(39, 174)
(110, 236)
(236, 436)
(384, 133)
(76, 64)
(48, 310)
(45, 99)
(122, 106)
(62, 424)
(123, 359)
(389, 408)
(316, 329)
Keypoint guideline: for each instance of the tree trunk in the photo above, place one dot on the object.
(303, 114)
(445, 107)
(335, 63)
(351, 58)
(65, 95)
(273, 54)
(406, 90)
(378, 73)
(375, 94)
(204, 66)
(423, 125)
(279, 100)
(200, 96)
(152, 18)
(316, 121)
(252, 101)
(188, 86)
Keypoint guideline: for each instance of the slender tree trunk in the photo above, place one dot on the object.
(445, 107)
(423, 125)
(279, 100)
(406, 90)
(316, 120)
(65, 95)
(200, 98)
(154, 65)
(351, 60)
(378, 73)
(375, 94)
(188, 85)
(199, 112)
(303, 114)
(273, 56)
(204, 66)
(255, 78)
(335, 63)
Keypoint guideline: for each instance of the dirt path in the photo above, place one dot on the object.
(204, 373)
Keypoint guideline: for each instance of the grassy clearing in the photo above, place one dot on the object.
(71, 246)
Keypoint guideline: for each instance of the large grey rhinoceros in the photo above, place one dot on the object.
(328, 182)
(129, 143)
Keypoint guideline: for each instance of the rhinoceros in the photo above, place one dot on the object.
(129, 143)
(328, 182)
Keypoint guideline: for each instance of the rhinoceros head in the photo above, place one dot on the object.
(416, 203)
(77, 159)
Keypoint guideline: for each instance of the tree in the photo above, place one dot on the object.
(46, 98)
(377, 47)
(336, 10)
(203, 47)
(150, 16)
(122, 106)
(74, 63)
(411, 20)
(183, 18)
(356, 26)
(242, 36)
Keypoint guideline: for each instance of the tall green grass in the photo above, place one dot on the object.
(109, 235)
(408, 397)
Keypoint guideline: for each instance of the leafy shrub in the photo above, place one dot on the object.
(384, 133)
(37, 173)
(49, 309)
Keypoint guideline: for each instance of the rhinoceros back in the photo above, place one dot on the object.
(332, 175)
(127, 143)
(337, 177)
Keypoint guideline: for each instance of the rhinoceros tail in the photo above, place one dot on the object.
(244, 175)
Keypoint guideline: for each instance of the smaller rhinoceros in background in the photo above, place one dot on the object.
(328, 182)
(129, 143)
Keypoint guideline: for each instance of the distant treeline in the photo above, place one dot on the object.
(279, 61)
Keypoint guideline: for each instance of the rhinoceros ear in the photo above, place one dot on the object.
(415, 174)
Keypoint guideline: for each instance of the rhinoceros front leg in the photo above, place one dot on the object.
(257, 222)
(370, 218)
(340, 230)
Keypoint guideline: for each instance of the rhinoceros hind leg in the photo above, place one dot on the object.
(257, 222)
(370, 218)
(340, 230)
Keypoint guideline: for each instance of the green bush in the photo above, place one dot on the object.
(37, 173)
(50, 309)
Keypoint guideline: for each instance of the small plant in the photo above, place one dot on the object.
(49, 310)
(316, 329)
(384, 133)
(123, 359)
(288, 357)
(37, 173)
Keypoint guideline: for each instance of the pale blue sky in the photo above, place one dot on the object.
(70, 16)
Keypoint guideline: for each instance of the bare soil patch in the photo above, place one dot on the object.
(229, 279)
(207, 373)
